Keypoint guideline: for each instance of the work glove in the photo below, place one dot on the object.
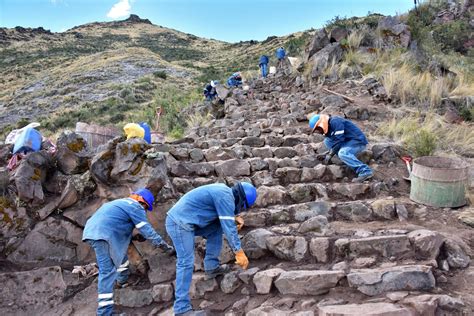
(138, 237)
(239, 222)
(167, 249)
(241, 259)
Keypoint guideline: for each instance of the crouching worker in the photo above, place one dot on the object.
(235, 80)
(207, 211)
(109, 232)
(342, 138)
(210, 91)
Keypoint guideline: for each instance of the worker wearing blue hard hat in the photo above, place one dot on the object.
(208, 211)
(109, 232)
(344, 139)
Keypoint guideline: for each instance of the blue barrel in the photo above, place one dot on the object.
(29, 140)
(147, 129)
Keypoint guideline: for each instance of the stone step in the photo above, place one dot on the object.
(315, 239)
(357, 211)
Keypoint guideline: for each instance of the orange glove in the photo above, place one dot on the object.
(239, 222)
(241, 259)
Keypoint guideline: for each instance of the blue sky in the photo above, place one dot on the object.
(230, 21)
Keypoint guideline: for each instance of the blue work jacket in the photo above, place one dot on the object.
(114, 222)
(342, 132)
(204, 205)
(280, 53)
(263, 59)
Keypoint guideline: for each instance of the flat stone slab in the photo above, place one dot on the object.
(385, 246)
(30, 292)
(400, 278)
(369, 309)
(307, 282)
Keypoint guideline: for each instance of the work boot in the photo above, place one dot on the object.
(362, 178)
(193, 313)
(121, 285)
(220, 270)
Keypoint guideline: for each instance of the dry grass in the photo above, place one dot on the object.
(355, 38)
(197, 120)
(425, 134)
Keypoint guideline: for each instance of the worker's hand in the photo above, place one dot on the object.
(327, 159)
(167, 249)
(241, 259)
(138, 237)
(239, 222)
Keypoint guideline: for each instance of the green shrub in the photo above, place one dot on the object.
(467, 113)
(452, 36)
(421, 143)
(177, 132)
(160, 74)
(296, 46)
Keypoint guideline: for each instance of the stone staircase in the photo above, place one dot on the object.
(317, 243)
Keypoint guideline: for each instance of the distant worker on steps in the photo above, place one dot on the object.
(210, 91)
(208, 211)
(109, 232)
(263, 65)
(342, 138)
(235, 80)
(280, 54)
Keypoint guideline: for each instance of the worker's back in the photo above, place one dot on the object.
(199, 206)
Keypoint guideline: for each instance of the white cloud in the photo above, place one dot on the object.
(120, 9)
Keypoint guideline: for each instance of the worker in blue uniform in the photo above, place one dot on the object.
(235, 80)
(342, 138)
(208, 211)
(109, 232)
(263, 65)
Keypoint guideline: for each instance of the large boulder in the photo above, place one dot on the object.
(394, 32)
(33, 292)
(52, 241)
(72, 154)
(30, 176)
(400, 278)
(126, 166)
(319, 41)
(323, 58)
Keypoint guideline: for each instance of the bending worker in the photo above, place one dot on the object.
(206, 211)
(109, 232)
(344, 138)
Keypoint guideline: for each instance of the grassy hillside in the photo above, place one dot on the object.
(110, 72)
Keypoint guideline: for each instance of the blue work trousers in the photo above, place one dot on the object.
(107, 276)
(183, 241)
(348, 154)
(264, 68)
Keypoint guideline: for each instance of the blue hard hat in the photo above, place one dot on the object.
(250, 193)
(147, 196)
(313, 121)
